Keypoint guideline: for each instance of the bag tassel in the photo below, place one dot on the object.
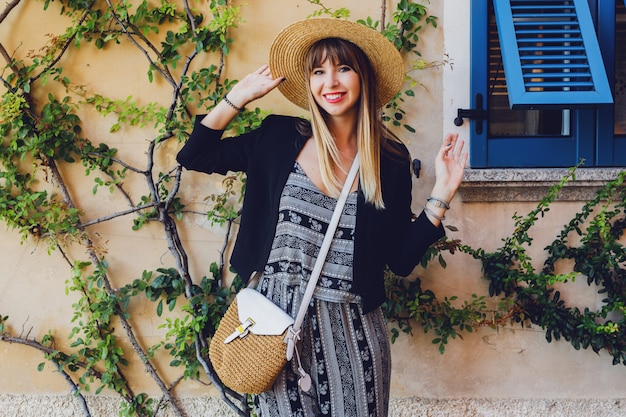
(304, 382)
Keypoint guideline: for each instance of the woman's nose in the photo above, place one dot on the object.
(331, 79)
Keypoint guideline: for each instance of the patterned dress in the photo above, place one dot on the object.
(345, 351)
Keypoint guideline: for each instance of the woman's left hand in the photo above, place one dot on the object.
(449, 167)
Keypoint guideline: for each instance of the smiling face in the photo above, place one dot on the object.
(340, 77)
(336, 88)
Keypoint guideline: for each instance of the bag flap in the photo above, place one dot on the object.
(269, 319)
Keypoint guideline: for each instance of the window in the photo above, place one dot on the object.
(552, 129)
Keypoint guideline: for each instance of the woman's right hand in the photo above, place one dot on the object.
(253, 86)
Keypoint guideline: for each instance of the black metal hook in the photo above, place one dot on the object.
(477, 113)
(417, 166)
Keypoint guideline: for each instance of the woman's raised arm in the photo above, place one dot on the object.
(253, 86)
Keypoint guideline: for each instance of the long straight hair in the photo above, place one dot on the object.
(371, 133)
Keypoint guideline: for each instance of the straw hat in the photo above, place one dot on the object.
(289, 48)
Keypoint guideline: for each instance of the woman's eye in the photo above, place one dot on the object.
(317, 72)
(344, 68)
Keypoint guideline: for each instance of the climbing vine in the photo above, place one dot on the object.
(529, 296)
(593, 241)
(42, 137)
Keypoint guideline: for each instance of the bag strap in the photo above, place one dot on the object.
(294, 333)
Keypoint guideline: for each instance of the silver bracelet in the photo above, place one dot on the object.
(233, 105)
(429, 211)
(437, 202)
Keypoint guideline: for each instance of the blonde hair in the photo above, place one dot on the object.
(371, 133)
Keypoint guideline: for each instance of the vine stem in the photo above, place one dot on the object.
(5, 54)
(163, 71)
(129, 396)
(65, 45)
(75, 390)
(383, 14)
(117, 214)
(7, 10)
(38, 346)
(229, 227)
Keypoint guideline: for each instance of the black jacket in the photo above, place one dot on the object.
(267, 155)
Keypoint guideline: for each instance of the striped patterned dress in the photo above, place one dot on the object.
(345, 351)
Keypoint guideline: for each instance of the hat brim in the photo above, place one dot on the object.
(290, 46)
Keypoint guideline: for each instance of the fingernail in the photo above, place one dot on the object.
(283, 80)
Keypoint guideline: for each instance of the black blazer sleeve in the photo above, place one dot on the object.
(206, 152)
(411, 237)
(389, 237)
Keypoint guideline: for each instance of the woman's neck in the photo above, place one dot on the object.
(344, 134)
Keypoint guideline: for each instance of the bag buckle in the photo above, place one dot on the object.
(291, 338)
(241, 331)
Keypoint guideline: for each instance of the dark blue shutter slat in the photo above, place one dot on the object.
(552, 58)
(532, 51)
(551, 54)
(560, 75)
(546, 39)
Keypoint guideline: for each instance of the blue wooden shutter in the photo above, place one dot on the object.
(551, 54)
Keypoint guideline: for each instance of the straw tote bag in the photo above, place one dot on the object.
(255, 339)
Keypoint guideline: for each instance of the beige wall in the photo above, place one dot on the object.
(511, 371)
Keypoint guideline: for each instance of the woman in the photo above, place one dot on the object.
(343, 73)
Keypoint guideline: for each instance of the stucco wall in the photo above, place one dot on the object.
(512, 371)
